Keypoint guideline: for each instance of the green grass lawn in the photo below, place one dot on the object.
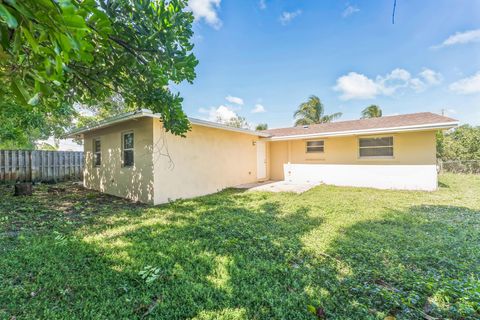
(347, 253)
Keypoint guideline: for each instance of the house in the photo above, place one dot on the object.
(132, 156)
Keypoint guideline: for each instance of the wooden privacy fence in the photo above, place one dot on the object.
(40, 166)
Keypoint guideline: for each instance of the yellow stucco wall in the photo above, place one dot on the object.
(409, 148)
(169, 167)
(111, 177)
(206, 161)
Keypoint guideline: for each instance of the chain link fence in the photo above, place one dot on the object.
(459, 166)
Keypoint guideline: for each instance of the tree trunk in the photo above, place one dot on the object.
(23, 189)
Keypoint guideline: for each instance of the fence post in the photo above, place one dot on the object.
(28, 175)
(75, 156)
(33, 168)
(41, 165)
(2, 165)
(21, 165)
(82, 165)
(14, 165)
(8, 175)
(69, 161)
(56, 171)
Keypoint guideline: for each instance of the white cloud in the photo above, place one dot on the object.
(467, 85)
(206, 10)
(358, 86)
(450, 111)
(262, 4)
(349, 10)
(235, 100)
(431, 77)
(220, 114)
(426, 78)
(258, 108)
(287, 16)
(461, 38)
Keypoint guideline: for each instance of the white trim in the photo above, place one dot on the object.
(110, 121)
(433, 126)
(265, 136)
(147, 113)
(217, 125)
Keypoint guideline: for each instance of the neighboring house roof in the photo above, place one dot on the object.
(147, 113)
(388, 124)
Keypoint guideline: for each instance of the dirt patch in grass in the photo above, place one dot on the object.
(65, 204)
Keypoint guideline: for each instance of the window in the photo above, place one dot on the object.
(97, 152)
(315, 146)
(127, 146)
(376, 147)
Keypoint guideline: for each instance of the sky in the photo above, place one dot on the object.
(261, 58)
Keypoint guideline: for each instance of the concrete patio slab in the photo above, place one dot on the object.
(277, 186)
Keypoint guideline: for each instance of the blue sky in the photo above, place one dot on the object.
(269, 56)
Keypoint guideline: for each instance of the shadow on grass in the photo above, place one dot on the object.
(443, 185)
(237, 255)
(215, 255)
(410, 264)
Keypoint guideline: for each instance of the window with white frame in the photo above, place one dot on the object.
(315, 146)
(127, 149)
(376, 147)
(97, 152)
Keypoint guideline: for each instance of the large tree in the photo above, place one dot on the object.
(312, 112)
(261, 126)
(462, 143)
(236, 122)
(54, 53)
(372, 111)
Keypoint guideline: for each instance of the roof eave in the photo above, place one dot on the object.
(434, 126)
(78, 133)
(216, 125)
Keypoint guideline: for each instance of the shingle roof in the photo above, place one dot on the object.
(405, 120)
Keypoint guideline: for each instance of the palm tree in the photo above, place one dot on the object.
(312, 112)
(371, 111)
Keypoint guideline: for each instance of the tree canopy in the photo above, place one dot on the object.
(462, 143)
(236, 122)
(312, 112)
(54, 54)
(261, 126)
(372, 111)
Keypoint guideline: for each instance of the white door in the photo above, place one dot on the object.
(261, 160)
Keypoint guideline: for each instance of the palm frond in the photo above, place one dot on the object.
(312, 111)
(331, 117)
(372, 111)
(303, 122)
